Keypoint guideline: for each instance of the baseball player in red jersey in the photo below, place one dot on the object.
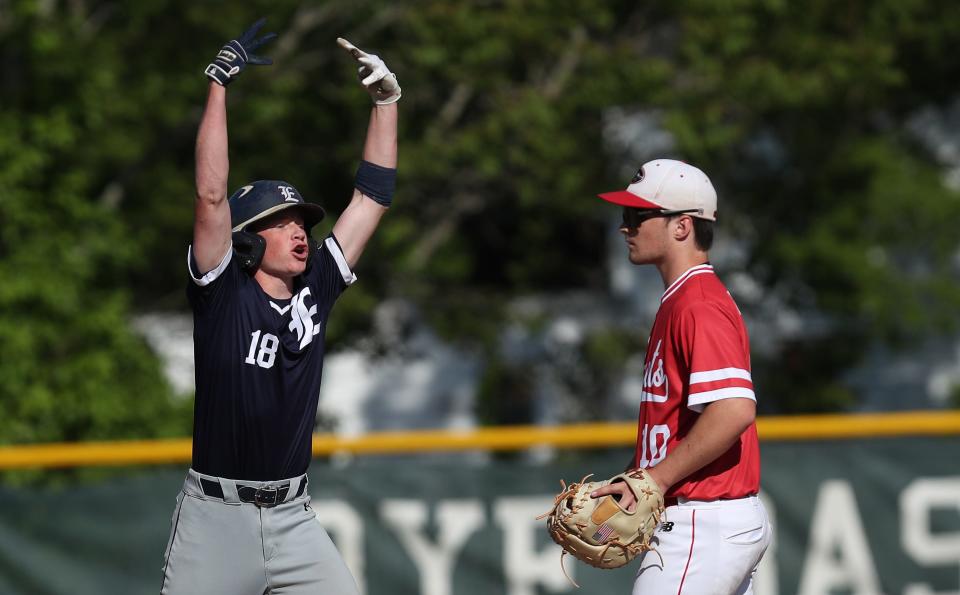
(696, 433)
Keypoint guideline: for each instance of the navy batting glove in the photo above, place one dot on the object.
(236, 54)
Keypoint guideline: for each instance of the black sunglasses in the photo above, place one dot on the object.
(634, 216)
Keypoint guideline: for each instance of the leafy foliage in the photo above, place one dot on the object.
(795, 109)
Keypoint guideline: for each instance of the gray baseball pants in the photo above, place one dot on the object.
(220, 544)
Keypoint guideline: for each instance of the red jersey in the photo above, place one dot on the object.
(698, 353)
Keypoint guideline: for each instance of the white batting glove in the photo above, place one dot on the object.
(374, 75)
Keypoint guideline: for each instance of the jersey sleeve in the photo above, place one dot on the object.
(714, 346)
(206, 290)
(329, 272)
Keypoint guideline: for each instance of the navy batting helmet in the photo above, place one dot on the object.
(263, 198)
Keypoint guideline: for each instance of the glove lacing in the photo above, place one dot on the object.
(633, 548)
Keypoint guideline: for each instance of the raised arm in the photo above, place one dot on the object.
(211, 214)
(211, 223)
(376, 176)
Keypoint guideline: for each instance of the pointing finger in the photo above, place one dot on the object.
(354, 50)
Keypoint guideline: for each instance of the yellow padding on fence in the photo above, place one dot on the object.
(799, 427)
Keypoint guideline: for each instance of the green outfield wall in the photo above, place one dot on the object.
(860, 516)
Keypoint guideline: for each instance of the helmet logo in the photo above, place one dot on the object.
(637, 176)
(287, 192)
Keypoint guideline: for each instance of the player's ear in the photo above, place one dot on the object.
(682, 227)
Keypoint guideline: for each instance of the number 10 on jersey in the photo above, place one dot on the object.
(653, 444)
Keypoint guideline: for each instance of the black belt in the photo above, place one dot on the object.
(263, 497)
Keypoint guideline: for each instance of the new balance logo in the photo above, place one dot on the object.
(666, 527)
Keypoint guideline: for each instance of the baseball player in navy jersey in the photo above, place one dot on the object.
(696, 434)
(261, 290)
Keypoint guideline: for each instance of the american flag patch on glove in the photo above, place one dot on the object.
(603, 533)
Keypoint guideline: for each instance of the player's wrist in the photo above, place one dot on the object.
(387, 90)
(661, 478)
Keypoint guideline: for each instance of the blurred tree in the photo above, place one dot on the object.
(795, 109)
(72, 367)
(799, 108)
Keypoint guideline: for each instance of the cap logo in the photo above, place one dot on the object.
(637, 176)
(287, 192)
(245, 190)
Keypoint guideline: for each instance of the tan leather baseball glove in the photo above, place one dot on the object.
(597, 530)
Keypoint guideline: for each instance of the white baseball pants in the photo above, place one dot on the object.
(707, 548)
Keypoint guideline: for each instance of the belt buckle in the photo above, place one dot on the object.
(265, 497)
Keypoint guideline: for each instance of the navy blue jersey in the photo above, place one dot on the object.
(258, 366)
